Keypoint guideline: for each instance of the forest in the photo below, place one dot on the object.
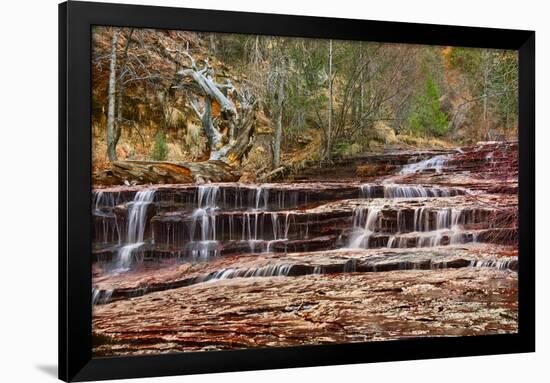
(272, 106)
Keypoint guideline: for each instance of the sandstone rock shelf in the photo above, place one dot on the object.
(313, 309)
(388, 246)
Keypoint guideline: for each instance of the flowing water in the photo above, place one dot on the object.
(434, 163)
(135, 228)
(203, 223)
(428, 242)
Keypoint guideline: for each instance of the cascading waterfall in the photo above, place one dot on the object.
(501, 264)
(246, 215)
(208, 196)
(282, 270)
(413, 191)
(101, 296)
(367, 190)
(434, 163)
(135, 229)
(280, 229)
(106, 222)
(431, 227)
(323, 227)
(203, 218)
(261, 197)
(390, 191)
(215, 219)
(205, 231)
(362, 239)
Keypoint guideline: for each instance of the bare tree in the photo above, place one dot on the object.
(233, 145)
(120, 90)
(111, 134)
(279, 122)
(329, 125)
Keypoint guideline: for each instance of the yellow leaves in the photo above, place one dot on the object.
(446, 53)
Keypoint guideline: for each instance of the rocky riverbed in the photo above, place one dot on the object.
(401, 244)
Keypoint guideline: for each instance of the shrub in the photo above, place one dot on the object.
(160, 150)
(427, 116)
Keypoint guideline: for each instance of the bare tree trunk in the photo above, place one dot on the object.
(226, 153)
(256, 51)
(232, 147)
(362, 86)
(111, 134)
(120, 92)
(329, 130)
(163, 172)
(485, 86)
(279, 124)
(212, 43)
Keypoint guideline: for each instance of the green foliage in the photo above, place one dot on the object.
(427, 118)
(306, 65)
(492, 74)
(369, 83)
(160, 150)
(347, 149)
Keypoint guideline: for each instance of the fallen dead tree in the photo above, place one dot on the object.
(160, 172)
(228, 121)
(274, 174)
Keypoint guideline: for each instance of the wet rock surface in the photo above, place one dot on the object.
(148, 279)
(313, 309)
(388, 246)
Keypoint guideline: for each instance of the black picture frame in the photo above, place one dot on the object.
(75, 226)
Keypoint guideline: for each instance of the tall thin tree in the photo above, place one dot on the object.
(279, 122)
(111, 134)
(329, 129)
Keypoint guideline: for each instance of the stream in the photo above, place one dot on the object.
(449, 216)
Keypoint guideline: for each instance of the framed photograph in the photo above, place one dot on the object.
(245, 191)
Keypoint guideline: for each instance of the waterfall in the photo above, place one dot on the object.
(501, 264)
(203, 218)
(98, 200)
(261, 196)
(208, 196)
(281, 270)
(102, 200)
(394, 218)
(135, 229)
(434, 163)
(362, 239)
(433, 228)
(391, 190)
(367, 190)
(413, 191)
(201, 222)
(107, 230)
(101, 296)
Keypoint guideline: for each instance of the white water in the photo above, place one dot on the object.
(392, 190)
(203, 219)
(434, 163)
(208, 196)
(135, 227)
(413, 191)
(258, 220)
(256, 226)
(501, 264)
(430, 227)
(107, 227)
(264, 271)
(101, 296)
(361, 240)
